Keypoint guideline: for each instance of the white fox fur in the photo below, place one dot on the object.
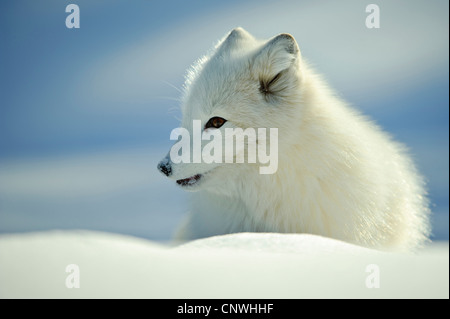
(338, 174)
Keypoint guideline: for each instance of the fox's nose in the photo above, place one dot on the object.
(165, 167)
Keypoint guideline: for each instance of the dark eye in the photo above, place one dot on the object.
(215, 122)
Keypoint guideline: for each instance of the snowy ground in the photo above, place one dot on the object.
(104, 265)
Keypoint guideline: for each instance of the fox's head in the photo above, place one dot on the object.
(245, 86)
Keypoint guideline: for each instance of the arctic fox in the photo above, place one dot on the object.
(338, 174)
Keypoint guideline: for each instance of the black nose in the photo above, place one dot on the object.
(165, 167)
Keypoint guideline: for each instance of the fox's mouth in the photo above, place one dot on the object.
(190, 181)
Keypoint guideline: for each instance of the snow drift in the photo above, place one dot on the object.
(256, 265)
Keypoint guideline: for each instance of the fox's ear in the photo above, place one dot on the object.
(273, 61)
(233, 40)
(278, 54)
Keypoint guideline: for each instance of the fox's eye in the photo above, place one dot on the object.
(215, 122)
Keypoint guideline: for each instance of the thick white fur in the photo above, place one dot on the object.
(338, 175)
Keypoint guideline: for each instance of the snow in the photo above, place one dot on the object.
(257, 265)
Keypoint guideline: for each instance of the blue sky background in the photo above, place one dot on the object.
(85, 114)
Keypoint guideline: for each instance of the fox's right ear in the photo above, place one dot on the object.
(273, 61)
(278, 54)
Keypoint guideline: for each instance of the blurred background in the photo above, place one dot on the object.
(86, 114)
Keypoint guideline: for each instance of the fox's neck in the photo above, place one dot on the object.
(299, 196)
(267, 198)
